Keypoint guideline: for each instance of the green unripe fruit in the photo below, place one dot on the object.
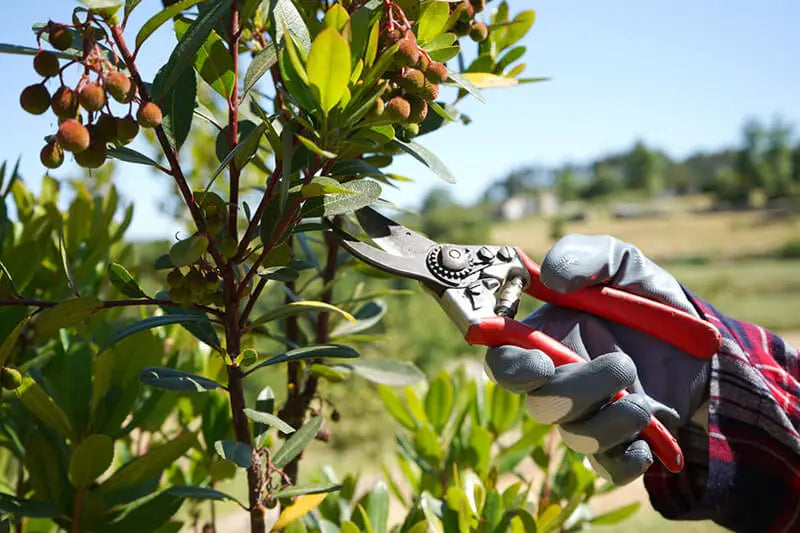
(215, 223)
(423, 63)
(10, 378)
(73, 136)
(119, 86)
(407, 53)
(105, 128)
(412, 80)
(478, 32)
(419, 109)
(175, 278)
(228, 247)
(52, 155)
(377, 110)
(430, 92)
(92, 97)
(411, 130)
(218, 299)
(188, 251)
(436, 72)
(94, 156)
(35, 99)
(205, 298)
(149, 115)
(195, 282)
(45, 64)
(397, 109)
(65, 102)
(181, 295)
(60, 38)
(127, 129)
(211, 281)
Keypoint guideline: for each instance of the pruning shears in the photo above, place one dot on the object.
(479, 288)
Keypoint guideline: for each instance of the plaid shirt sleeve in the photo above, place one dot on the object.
(744, 471)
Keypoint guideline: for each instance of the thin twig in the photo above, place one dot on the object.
(108, 304)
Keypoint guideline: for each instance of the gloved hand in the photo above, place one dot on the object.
(662, 379)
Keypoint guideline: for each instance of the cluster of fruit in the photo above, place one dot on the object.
(88, 142)
(196, 286)
(415, 78)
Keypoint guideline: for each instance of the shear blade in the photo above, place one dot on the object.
(392, 236)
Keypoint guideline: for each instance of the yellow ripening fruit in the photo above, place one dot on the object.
(73, 136)
(92, 97)
(149, 115)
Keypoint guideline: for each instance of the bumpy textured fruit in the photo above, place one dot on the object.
(149, 115)
(60, 38)
(419, 109)
(397, 109)
(195, 282)
(412, 80)
(94, 156)
(461, 27)
(181, 295)
(52, 155)
(73, 136)
(105, 128)
(228, 247)
(175, 278)
(430, 92)
(436, 72)
(35, 99)
(467, 12)
(10, 378)
(119, 86)
(211, 281)
(478, 32)
(45, 64)
(407, 53)
(65, 102)
(92, 97)
(478, 5)
(127, 129)
(423, 62)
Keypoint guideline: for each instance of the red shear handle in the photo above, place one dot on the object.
(690, 334)
(500, 331)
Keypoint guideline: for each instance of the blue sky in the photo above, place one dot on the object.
(680, 75)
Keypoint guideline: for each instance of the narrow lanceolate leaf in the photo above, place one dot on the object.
(8, 344)
(89, 459)
(328, 68)
(312, 352)
(486, 80)
(185, 52)
(323, 185)
(123, 153)
(617, 515)
(296, 308)
(202, 328)
(161, 17)
(150, 323)
(363, 193)
(261, 63)
(297, 442)
(43, 407)
(315, 488)
(298, 509)
(240, 152)
(213, 61)
(427, 158)
(201, 493)
(393, 403)
(177, 103)
(238, 452)
(67, 313)
(176, 380)
(465, 84)
(367, 316)
(123, 281)
(286, 16)
(28, 51)
(30, 508)
(314, 147)
(269, 420)
(151, 464)
(386, 371)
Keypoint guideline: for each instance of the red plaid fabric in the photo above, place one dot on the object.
(744, 473)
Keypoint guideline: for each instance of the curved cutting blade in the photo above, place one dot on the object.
(392, 236)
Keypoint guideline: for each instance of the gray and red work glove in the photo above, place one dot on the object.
(662, 379)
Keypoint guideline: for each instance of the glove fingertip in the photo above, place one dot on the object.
(518, 369)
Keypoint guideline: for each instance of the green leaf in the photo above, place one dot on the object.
(261, 63)
(124, 282)
(439, 401)
(296, 308)
(287, 16)
(386, 371)
(265, 403)
(311, 352)
(363, 193)
(617, 515)
(30, 508)
(90, 459)
(279, 273)
(202, 328)
(492, 511)
(187, 49)
(433, 21)
(146, 514)
(391, 400)
(28, 51)
(367, 316)
(160, 18)
(149, 465)
(123, 153)
(326, 372)
(314, 488)
(269, 420)
(465, 84)
(528, 521)
(487, 80)
(238, 452)
(242, 151)
(427, 158)
(177, 103)
(150, 323)
(328, 68)
(297, 442)
(43, 407)
(67, 313)
(336, 17)
(522, 22)
(202, 493)
(213, 62)
(311, 145)
(187, 251)
(323, 185)
(378, 507)
(505, 406)
(11, 340)
(175, 380)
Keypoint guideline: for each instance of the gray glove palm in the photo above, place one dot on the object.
(662, 379)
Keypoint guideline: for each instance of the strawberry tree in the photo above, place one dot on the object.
(305, 134)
